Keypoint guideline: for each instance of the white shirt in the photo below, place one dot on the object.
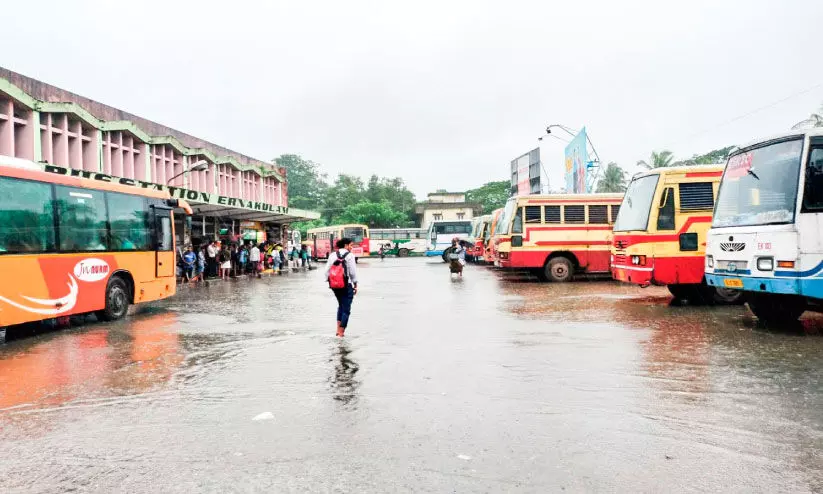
(211, 250)
(351, 265)
(254, 254)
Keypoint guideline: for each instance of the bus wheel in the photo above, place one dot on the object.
(117, 300)
(727, 296)
(772, 309)
(680, 292)
(559, 269)
(446, 253)
(403, 253)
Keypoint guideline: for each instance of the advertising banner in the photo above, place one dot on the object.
(577, 159)
(526, 173)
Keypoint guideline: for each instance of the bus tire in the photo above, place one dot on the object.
(559, 269)
(117, 300)
(403, 253)
(727, 296)
(771, 309)
(680, 292)
(446, 253)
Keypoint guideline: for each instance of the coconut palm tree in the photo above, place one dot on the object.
(658, 160)
(613, 180)
(814, 120)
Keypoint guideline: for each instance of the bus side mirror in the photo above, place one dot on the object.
(517, 240)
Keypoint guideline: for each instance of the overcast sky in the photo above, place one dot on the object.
(441, 93)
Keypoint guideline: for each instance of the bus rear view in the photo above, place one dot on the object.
(766, 235)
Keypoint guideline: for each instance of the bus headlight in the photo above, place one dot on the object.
(765, 264)
(710, 261)
(639, 260)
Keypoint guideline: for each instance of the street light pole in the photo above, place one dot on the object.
(197, 167)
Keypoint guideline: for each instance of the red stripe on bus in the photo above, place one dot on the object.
(669, 237)
(573, 201)
(703, 174)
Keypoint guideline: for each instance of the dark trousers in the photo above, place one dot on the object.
(211, 266)
(345, 296)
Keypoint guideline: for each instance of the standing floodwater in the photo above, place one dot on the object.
(490, 383)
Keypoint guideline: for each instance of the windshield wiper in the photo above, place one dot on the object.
(752, 173)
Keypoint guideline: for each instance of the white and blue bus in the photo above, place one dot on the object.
(441, 233)
(767, 232)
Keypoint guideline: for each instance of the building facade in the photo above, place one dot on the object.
(446, 206)
(232, 195)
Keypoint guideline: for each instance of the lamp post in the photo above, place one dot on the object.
(595, 163)
(197, 167)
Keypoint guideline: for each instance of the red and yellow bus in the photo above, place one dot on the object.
(322, 239)
(480, 235)
(558, 235)
(490, 253)
(660, 233)
(72, 245)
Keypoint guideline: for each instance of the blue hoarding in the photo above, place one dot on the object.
(577, 157)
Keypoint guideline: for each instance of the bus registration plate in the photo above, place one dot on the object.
(733, 282)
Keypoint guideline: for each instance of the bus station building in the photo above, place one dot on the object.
(233, 196)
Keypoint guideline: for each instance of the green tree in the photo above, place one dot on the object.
(613, 179)
(491, 195)
(306, 183)
(392, 191)
(346, 191)
(814, 120)
(657, 160)
(373, 214)
(712, 157)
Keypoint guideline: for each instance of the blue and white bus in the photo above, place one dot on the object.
(441, 233)
(767, 232)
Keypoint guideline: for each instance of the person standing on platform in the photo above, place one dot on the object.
(254, 259)
(341, 274)
(211, 259)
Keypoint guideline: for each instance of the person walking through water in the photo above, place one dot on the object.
(341, 273)
(457, 258)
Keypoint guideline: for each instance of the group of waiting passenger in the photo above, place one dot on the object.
(217, 259)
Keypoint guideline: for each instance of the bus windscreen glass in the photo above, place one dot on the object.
(637, 205)
(356, 234)
(759, 186)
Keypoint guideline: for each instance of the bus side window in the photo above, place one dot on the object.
(615, 210)
(517, 223)
(533, 214)
(552, 214)
(813, 190)
(574, 214)
(665, 214)
(598, 214)
(26, 216)
(83, 219)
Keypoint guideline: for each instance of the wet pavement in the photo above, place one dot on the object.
(493, 383)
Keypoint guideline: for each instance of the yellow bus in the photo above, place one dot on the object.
(72, 245)
(660, 233)
(557, 235)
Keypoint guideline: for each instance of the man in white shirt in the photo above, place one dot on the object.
(211, 261)
(345, 296)
(254, 259)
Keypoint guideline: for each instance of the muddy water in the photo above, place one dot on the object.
(486, 384)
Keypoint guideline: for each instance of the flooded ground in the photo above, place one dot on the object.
(493, 383)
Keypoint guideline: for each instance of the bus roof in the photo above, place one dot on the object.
(815, 131)
(570, 198)
(25, 169)
(685, 170)
(335, 227)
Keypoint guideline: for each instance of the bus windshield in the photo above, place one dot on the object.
(356, 234)
(502, 227)
(637, 205)
(759, 186)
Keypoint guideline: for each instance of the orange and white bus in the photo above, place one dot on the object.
(322, 239)
(660, 233)
(558, 235)
(72, 245)
(490, 253)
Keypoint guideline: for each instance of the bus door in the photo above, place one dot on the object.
(163, 243)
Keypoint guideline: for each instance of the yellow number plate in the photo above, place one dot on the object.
(733, 282)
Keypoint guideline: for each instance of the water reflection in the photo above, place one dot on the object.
(344, 383)
(110, 361)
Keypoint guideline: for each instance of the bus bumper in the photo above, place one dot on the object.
(810, 287)
(633, 274)
(685, 270)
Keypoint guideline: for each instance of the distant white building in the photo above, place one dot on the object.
(446, 206)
